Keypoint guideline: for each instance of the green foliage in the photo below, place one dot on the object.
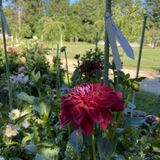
(128, 17)
(148, 102)
(89, 67)
(55, 20)
(153, 19)
(104, 151)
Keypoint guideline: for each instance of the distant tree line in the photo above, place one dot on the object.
(55, 20)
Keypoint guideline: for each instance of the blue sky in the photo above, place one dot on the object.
(72, 1)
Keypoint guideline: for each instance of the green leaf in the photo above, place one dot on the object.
(127, 76)
(106, 148)
(31, 148)
(119, 131)
(135, 121)
(119, 157)
(26, 139)
(139, 79)
(47, 154)
(135, 86)
(76, 141)
(42, 109)
(36, 76)
(25, 97)
(76, 76)
(38, 157)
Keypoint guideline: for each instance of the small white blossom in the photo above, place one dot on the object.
(11, 130)
(14, 114)
(25, 124)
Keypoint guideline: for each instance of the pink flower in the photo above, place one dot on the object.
(88, 104)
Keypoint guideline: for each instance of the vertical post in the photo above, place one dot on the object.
(141, 45)
(6, 61)
(106, 49)
(140, 52)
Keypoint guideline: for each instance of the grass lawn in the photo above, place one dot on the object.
(150, 57)
(148, 102)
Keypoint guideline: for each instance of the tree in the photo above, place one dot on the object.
(153, 27)
(50, 29)
(89, 13)
(128, 17)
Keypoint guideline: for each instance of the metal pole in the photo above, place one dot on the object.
(140, 52)
(106, 49)
(6, 61)
(141, 45)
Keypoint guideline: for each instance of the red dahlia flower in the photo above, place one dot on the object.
(90, 67)
(88, 104)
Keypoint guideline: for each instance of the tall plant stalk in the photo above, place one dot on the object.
(97, 39)
(6, 61)
(63, 49)
(106, 49)
(67, 70)
(58, 72)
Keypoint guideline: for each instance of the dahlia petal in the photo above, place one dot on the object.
(107, 117)
(94, 114)
(87, 126)
(117, 103)
(65, 116)
(77, 114)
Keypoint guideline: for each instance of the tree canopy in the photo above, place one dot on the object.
(54, 19)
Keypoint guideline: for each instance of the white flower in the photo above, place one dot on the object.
(2, 158)
(14, 114)
(11, 130)
(25, 124)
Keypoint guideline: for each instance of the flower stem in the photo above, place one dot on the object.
(6, 63)
(128, 97)
(69, 130)
(58, 73)
(67, 70)
(93, 146)
(106, 52)
(78, 157)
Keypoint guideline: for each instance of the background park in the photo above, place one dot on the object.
(58, 50)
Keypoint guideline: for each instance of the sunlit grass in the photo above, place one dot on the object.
(150, 57)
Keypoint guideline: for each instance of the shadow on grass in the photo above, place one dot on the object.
(148, 102)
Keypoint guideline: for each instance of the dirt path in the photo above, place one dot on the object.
(152, 81)
(150, 84)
